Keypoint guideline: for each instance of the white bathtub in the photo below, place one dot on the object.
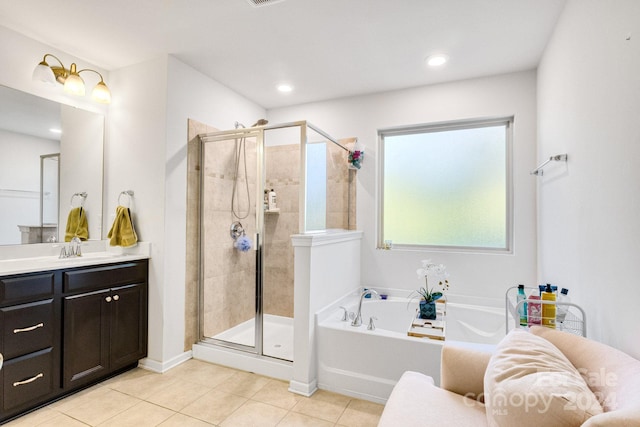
(367, 364)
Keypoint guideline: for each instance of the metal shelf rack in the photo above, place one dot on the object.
(574, 322)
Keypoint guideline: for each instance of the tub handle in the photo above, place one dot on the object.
(372, 326)
(345, 315)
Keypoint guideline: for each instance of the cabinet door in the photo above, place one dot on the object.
(86, 337)
(128, 325)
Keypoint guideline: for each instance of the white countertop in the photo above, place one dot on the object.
(93, 253)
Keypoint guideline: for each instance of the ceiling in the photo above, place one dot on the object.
(325, 49)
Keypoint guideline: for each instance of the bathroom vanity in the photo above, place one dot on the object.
(69, 327)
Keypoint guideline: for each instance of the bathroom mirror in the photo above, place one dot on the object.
(34, 128)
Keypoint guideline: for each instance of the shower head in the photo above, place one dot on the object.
(260, 122)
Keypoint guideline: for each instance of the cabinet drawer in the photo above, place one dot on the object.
(105, 276)
(27, 378)
(16, 289)
(27, 328)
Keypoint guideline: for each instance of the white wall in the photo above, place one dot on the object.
(134, 159)
(588, 107)
(471, 274)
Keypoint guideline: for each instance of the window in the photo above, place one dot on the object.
(447, 185)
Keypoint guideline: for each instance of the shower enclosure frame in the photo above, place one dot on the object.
(257, 132)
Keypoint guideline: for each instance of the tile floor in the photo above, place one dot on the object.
(198, 393)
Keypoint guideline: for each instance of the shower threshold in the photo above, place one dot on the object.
(277, 336)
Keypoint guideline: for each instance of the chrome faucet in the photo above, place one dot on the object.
(357, 321)
(73, 250)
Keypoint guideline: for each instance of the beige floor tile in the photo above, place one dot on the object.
(141, 415)
(34, 418)
(293, 419)
(133, 373)
(178, 394)
(79, 398)
(103, 407)
(327, 396)
(328, 407)
(360, 413)
(214, 406)
(255, 414)
(62, 420)
(277, 393)
(181, 420)
(143, 385)
(207, 374)
(243, 384)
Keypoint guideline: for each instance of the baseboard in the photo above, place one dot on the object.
(305, 389)
(161, 367)
(266, 366)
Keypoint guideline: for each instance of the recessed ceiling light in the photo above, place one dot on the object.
(437, 60)
(55, 130)
(285, 88)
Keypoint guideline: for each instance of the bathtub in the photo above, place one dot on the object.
(367, 364)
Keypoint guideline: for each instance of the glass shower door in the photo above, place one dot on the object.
(230, 224)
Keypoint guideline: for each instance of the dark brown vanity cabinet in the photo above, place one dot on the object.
(28, 340)
(65, 329)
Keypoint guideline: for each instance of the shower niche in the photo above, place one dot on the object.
(256, 188)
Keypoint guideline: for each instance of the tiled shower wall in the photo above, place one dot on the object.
(282, 167)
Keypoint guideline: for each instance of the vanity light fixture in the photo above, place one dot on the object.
(71, 79)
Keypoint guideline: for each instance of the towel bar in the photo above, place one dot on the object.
(83, 197)
(128, 193)
(557, 158)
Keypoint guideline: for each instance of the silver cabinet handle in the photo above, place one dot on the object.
(30, 328)
(116, 297)
(30, 380)
(108, 299)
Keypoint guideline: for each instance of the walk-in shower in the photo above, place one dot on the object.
(246, 299)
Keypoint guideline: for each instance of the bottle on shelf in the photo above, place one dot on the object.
(534, 312)
(549, 310)
(542, 288)
(561, 312)
(522, 307)
(272, 200)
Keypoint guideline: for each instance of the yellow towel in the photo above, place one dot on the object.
(122, 232)
(77, 225)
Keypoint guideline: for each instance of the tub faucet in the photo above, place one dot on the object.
(357, 321)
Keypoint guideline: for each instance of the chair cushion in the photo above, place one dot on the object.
(416, 402)
(613, 376)
(529, 382)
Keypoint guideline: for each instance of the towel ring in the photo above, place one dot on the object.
(83, 197)
(129, 194)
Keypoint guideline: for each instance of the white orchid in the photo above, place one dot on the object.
(434, 271)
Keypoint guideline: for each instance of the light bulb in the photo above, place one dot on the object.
(74, 83)
(101, 93)
(437, 60)
(43, 73)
